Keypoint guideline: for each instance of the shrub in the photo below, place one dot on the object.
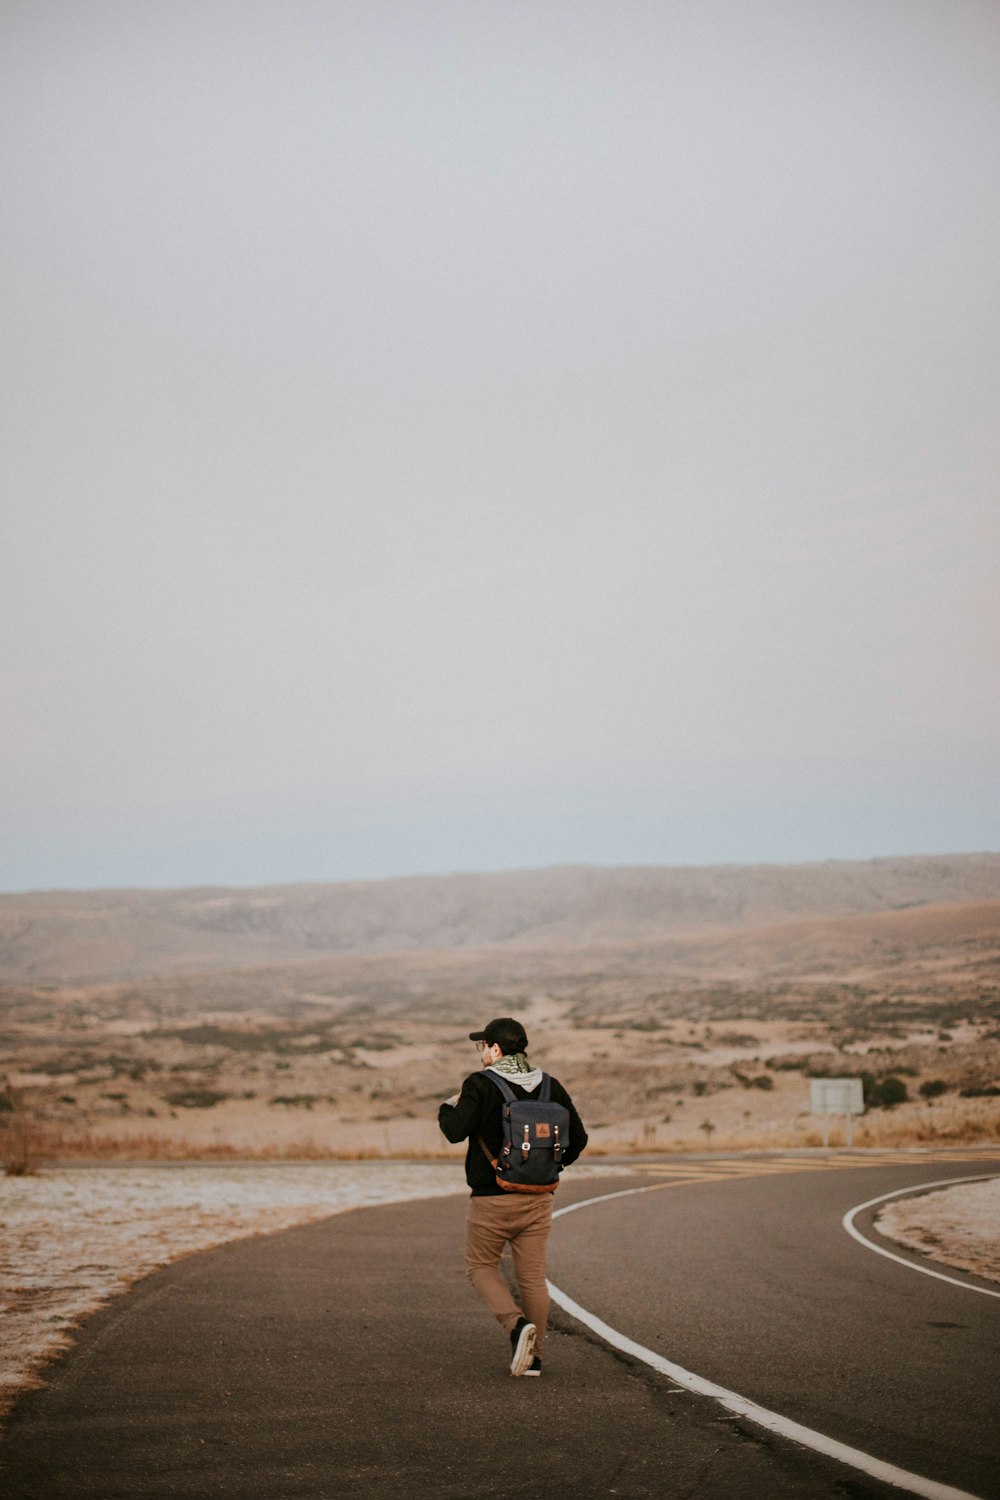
(761, 1081)
(894, 1091)
(982, 1091)
(196, 1098)
(884, 1093)
(933, 1088)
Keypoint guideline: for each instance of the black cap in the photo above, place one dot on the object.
(510, 1034)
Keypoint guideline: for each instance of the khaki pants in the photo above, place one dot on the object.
(523, 1221)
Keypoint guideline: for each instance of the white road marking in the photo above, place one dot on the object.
(571, 1208)
(915, 1484)
(911, 1265)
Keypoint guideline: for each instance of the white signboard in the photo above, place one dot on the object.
(836, 1096)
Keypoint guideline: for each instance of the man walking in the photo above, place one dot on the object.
(496, 1216)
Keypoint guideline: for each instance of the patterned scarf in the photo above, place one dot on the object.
(518, 1069)
(511, 1064)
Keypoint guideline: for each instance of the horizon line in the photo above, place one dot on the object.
(485, 874)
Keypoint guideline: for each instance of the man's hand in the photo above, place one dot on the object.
(452, 1101)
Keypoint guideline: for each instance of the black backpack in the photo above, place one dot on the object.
(535, 1139)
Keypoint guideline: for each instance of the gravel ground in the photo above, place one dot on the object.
(959, 1226)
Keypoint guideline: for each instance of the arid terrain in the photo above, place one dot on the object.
(682, 1008)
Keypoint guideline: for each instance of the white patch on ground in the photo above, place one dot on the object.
(74, 1237)
(958, 1226)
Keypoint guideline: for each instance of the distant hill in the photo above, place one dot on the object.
(119, 935)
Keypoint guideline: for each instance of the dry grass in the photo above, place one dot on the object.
(22, 1145)
(961, 1123)
(686, 1042)
(53, 1145)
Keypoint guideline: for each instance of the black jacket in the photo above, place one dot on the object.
(477, 1113)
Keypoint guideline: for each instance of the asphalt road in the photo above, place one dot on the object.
(754, 1284)
(350, 1358)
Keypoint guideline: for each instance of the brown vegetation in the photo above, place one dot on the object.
(22, 1136)
(685, 1040)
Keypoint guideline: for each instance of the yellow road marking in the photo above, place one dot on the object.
(720, 1171)
(746, 1169)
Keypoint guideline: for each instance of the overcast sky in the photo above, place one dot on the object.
(496, 433)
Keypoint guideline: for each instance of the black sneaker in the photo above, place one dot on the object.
(522, 1346)
(535, 1368)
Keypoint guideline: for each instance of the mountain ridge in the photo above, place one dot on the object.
(114, 935)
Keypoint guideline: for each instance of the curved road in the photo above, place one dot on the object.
(349, 1358)
(756, 1286)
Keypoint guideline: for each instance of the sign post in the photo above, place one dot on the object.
(836, 1096)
